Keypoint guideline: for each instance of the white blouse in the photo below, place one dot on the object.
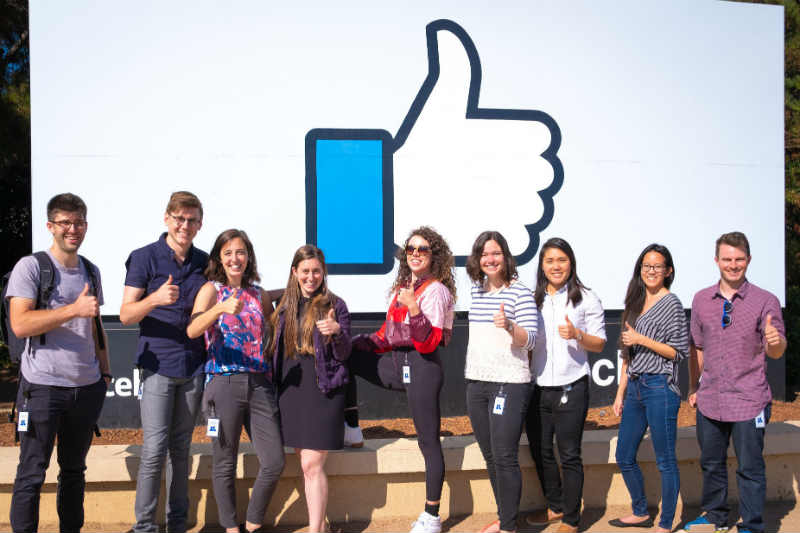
(557, 361)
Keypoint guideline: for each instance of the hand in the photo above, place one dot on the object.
(86, 305)
(567, 330)
(618, 402)
(771, 332)
(406, 297)
(446, 133)
(693, 400)
(232, 304)
(328, 325)
(166, 294)
(630, 336)
(500, 319)
(107, 380)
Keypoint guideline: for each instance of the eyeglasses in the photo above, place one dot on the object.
(66, 224)
(658, 269)
(183, 220)
(421, 250)
(727, 317)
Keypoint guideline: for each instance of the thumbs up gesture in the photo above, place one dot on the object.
(500, 318)
(85, 305)
(567, 330)
(232, 304)
(771, 334)
(447, 132)
(328, 325)
(167, 293)
(629, 335)
(405, 297)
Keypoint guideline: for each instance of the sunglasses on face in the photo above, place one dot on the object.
(421, 250)
(727, 318)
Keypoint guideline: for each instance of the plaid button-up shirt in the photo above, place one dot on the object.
(733, 386)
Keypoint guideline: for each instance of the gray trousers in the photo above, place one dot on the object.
(247, 400)
(169, 407)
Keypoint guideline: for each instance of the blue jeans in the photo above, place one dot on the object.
(713, 437)
(169, 407)
(650, 402)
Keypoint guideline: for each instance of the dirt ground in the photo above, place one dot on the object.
(598, 418)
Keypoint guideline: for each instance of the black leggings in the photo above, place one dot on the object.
(386, 371)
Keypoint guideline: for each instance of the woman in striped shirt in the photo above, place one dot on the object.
(502, 329)
(654, 341)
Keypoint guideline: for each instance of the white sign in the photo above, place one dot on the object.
(612, 124)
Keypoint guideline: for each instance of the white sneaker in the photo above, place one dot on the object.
(353, 438)
(427, 523)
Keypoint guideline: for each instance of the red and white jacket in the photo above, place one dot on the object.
(426, 331)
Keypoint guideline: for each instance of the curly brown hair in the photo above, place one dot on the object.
(442, 261)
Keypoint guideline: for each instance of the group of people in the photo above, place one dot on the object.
(212, 339)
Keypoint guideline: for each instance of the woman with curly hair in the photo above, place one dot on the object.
(309, 351)
(232, 311)
(403, 355)
(502, 330)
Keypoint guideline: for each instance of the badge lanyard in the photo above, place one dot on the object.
(566, 390)
(24, 422)
(499, 402)
(406, 371)
(213, 422)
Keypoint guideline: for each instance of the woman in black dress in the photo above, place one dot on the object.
(310, 347)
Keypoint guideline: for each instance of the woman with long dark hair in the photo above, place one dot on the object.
(502, 329)
(654, 340)
(310, 348)
(232, 312)
(571, 323)
(404, 354)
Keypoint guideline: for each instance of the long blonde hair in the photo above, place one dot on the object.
(321, 302)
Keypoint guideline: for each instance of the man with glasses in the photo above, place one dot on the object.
(734, 325)
(161, 283)
(63, 374)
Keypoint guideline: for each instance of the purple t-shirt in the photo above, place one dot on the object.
(734, 387)
(67, 359)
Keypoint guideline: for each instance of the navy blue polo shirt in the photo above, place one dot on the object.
(164, 347)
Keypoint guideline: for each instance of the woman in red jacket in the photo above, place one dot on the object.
(404, 354)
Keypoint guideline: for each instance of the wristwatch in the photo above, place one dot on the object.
(510, 327)
(579, 335)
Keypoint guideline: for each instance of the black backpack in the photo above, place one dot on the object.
(15, 344)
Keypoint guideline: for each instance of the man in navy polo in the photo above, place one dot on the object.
(162, 281)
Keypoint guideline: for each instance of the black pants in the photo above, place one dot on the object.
(71, 414)
(548, 417)
(498, 437)
(385, 370)
(713, 437)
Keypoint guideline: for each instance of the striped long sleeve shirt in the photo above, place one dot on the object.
(665, 322)
(490, 354)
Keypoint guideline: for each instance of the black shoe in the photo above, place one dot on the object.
(647, 522)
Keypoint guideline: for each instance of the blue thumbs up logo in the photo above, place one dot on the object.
(356, 204)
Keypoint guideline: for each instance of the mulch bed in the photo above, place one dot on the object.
(598, 418)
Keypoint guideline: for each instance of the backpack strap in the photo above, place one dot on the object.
(47, 277)
(92, 273)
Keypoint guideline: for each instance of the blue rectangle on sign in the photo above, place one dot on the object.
(350, 200)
